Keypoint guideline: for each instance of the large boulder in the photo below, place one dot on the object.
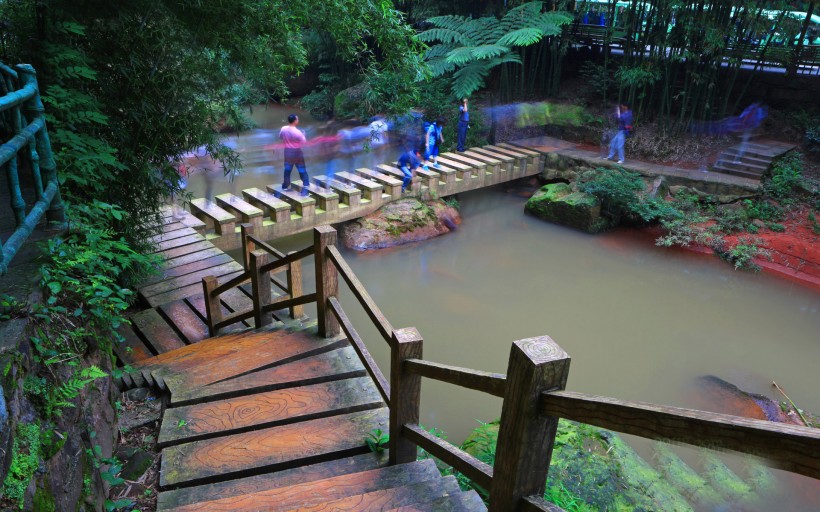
(400, 222)
(558, 203)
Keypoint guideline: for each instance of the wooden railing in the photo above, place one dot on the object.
(22, 112)
(533, 401)
(261, 264)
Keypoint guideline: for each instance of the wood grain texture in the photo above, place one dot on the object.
(472, 468)
(268, 449)
(155, 331)
(208, 261)
(453, 502)
(178, 242)
(300, 475)
(260, 283)
(526, 435)
(172, 283)
(171, 235)
(132, 349)
(405, 393)
(490, 383)
(184, 321)
(177, 252)
(335, 364)
(191, 258)
(333, 493)
(266, 409)
(538, 504)
(180, 293)
(327, 279)
(788, 447)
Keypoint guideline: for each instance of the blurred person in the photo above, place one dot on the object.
(408, 163)
(432, 139)
(293, 139)
(463, 124)
(624, 118)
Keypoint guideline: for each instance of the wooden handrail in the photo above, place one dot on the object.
(287, 260)
(287, 302)
(360, 348)
(234, 318)
(490, 383)
(266, 247)
(463, 462)
(359, 291)
(231, 283)
(788, 447)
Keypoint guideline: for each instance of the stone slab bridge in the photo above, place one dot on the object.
(275, 213)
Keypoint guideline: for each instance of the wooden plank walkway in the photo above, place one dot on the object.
(277, 420)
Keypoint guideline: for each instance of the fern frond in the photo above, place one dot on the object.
(449, 22)
(488, 51)
(461, 56)
(469, 79)
(440, 66)
(522, 37)
(444, 35)
(439, 50)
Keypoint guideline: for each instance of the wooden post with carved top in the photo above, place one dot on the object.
(327, 280)
(405, 393)
(526, 436)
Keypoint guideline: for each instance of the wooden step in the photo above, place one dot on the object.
(350, 196)
(267, 409)
(171, 235)
(191, 257)
(241, 209)
(303, 495)
(209, 212)
(197, 302)
(325, 200)
(212, 258)
(389, 498)
(341, 363)
(184, 291)
(182, 217)
(182, 318)
(173, 226)
(178, 242)
(371, 190)
(168, 500)
(276, 209)
(132, 349)
(177, 252)
(155, 332)
(281, 348)
(269, 449)
(455, 502)
(305, 206)
(391, 186)
(193, 277)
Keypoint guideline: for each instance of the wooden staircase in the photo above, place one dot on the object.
(276, 420)
(755, 160)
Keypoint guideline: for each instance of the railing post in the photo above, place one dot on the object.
(294, 276)
(247, 245)
(56, 211)
(405, 393)
(526, 436)
(213, 308)
(327, 280)
(260, 283)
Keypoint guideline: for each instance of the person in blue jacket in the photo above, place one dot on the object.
(408, 162)
(463, 124)
(624, 117)
(432, 139)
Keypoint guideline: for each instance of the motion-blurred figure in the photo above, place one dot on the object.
(463, 124)
(294, 139)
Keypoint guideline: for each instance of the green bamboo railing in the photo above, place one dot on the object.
(23, 112)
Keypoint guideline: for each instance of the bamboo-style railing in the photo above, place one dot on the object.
(22, 113)
(533, 400)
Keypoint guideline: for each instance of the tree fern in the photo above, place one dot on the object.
(471, 48)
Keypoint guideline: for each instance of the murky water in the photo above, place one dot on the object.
(640, 322)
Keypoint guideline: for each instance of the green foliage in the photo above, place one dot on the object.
(786, 178)
(377, 440)
(811, 139)
(11, 307)
(622, 197)
(470, 48)
(743, 254)
(320, 101)
(25, 461)
(560, 496)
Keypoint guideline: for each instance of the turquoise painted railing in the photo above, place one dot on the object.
(22, 113)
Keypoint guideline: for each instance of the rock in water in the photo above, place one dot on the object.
(400, 222)
(559, 204)
(724, 397)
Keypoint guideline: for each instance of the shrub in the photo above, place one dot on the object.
(622, 196)
(811, 139)
(786, 177)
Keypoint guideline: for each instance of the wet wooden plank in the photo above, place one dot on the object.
(174, 283)
(340, 363)
(266, 409)
(132, 349)
(291, 347)
(458, 502)
(181, 293)
(390, 498)
(210, 492)
(184, 321)
(269, 449)
(171, 235)
(310, 494)
(155, 331)
(179, 242)
(187, 249)
(173, 226)
(202, 254)
(188, 268)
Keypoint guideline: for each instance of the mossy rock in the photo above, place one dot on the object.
(595, 467)
(558, 203)
(346, 103)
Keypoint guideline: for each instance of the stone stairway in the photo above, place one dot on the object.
(755, 160)
(278, 420)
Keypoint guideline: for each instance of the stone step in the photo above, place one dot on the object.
(303, 205)
(326, 200)
(391, 186)
(211, 214)
(371, 189)
(268, 449)
(734, 172)
(241, 209)
(742, 166)
(349, 195)
(276, 209)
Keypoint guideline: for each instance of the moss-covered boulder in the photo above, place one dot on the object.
(558, 203)
(594, 467)
(400, 222)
